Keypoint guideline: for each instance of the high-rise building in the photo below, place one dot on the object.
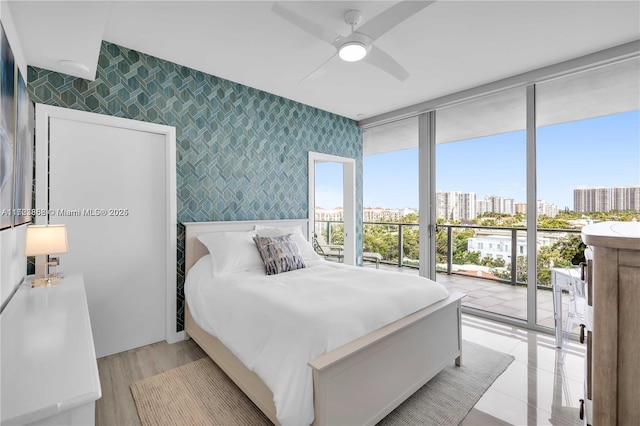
(496, 204)
(481, 207)
(625, 198)
(634, 198)
(467, 205)
(456, 205)
(509, 206)
(591, 199)
(602, 199)
(547, 209)
(464, 205)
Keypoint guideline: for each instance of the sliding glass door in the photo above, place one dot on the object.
(588, 165)
(480, 179)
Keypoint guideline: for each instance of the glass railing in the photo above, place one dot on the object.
(398, 243)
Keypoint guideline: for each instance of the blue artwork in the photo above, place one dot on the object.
(7, 130)
(23, 166)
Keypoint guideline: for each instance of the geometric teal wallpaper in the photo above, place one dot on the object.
(241, 153)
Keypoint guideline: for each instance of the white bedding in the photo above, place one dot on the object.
(275, 324)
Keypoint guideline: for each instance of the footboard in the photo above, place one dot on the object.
(364, 380)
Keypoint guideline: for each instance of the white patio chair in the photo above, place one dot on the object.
(329, 251)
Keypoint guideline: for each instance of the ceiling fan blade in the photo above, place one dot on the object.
(382, 60)
(377, 26)
(305, 24)
(318, 72)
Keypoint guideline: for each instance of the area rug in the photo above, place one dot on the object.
(199, 393)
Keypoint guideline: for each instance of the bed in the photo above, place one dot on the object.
(394, 360)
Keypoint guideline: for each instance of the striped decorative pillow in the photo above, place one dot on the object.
(279, 254)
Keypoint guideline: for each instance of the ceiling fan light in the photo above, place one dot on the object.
(352, 51)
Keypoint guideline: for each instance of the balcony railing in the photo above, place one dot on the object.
(400, 248)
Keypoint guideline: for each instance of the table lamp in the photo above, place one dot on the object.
(44, 240)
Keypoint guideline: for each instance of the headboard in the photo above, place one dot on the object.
(194, 249)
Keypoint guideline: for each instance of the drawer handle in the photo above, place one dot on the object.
(583, 268)
(582, 333)
(582, 409)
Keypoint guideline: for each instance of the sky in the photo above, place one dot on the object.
(603, 151)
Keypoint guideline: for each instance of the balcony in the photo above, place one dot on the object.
(496, 297)
(501, 290)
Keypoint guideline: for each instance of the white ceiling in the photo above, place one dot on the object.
(447, 47)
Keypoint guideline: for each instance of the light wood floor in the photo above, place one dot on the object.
(117, 372)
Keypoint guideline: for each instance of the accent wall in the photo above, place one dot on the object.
(241, 153)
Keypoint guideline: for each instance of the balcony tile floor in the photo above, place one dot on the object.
(490, 296)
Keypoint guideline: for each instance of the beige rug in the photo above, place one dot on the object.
(199, 393)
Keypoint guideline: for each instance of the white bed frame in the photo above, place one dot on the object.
(362, 381)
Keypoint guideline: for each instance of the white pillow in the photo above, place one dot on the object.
(232, 252)
(305, 246)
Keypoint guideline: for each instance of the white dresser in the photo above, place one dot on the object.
(612, 379)
(49, 371)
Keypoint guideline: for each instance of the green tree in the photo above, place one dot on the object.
(337, 233)
(411, 246)
(461, 239)
(441, 245)
(571, 249)
(553, 222)
(466, 258)
(410, 218)
(493, 263)
(490, 222)
(379, 239)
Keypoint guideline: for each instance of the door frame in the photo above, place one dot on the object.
(43, 114)
(349, 199)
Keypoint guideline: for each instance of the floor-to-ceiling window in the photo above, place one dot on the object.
(390, 193)
(588, 163)
(502, 177)
(480, 179)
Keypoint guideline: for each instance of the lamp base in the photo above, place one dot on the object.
(45, 282)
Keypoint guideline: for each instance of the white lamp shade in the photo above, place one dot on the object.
(45, 239)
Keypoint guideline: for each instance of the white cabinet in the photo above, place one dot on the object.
(49, 368)
(612, 381)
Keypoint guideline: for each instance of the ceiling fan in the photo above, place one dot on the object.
(359, 45)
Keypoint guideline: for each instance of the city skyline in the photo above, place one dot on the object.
(585, 199)
(599, 152)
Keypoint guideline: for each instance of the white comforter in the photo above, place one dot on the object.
(276, 324)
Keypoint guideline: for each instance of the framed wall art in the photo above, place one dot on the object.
(23, 164)
(7, 130)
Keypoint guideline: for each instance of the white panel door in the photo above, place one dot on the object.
(110, 183)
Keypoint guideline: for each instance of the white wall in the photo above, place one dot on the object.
(13, 264)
